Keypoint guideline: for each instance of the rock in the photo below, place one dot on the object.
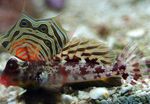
(4, 57)
(9, 94)
(83, 95)
(68, 99)
(136, 33)
(111, 41)
(125, 89)
(96, 93)
(103, 102)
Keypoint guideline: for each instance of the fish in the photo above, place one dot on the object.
(35, 39)
(78, 66)
(77, 61)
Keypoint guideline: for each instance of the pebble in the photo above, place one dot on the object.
(68, 99)
(8, 94)
(111, 41)
(103, 102)
(83, 95)
(136, 33)
(96, 93)
(4, 57)
(126, 89)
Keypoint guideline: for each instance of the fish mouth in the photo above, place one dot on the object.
(26, 50)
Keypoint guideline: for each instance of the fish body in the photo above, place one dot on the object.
(69, 69)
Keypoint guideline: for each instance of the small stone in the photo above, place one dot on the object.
(4, 57)
(68, 99)
(126, 89)
(136, 33)
(134, 100)
(82, 102)
(83, 95)
(96, 93)
(103, 102)
(9, 94)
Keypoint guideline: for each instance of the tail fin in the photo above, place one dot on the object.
(130, 64)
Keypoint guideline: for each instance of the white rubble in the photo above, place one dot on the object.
(136, 33)
(9, 94)
(96, 93)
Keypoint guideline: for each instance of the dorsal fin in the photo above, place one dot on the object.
(89, 48)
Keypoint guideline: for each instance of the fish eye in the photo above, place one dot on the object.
(24, 23)
(43, 28)
(11, 66)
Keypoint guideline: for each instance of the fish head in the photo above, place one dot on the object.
(23, 73)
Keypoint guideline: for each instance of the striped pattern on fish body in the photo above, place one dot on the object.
(35, 40)
(85, 48)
